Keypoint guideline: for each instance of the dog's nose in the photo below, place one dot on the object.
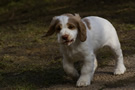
(65, 37)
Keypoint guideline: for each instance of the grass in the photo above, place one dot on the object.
(25, 58)
(29, 62)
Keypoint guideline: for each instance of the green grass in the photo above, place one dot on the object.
(26, 57)
(29, 62)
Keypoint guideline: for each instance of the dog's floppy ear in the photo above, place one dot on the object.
(81, 28)
(52, 27)
(82, 31)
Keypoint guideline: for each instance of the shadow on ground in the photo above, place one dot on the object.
(34, 79)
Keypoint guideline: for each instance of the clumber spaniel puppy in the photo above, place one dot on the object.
(79, 39)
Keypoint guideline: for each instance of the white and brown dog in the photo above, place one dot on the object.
(79, 40)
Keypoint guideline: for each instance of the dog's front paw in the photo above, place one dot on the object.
(120, 70)
(83, 82)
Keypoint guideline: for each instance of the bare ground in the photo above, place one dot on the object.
(28, 63)
(105, 80)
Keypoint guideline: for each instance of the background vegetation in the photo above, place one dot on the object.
(28, 61)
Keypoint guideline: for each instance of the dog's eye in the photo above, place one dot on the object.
(58, 28)
(70, 26)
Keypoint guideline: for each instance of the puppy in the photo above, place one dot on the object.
(79, 39)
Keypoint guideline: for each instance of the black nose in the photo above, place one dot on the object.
(65, 37)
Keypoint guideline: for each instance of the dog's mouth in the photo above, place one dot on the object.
(68, 42)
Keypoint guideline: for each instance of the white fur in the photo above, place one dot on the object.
(101, 34)
(72, 33)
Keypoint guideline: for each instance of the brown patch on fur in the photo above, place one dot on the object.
(82, 31)
(77, 22)
(54, 26)
(58, 27)
(87, 23)
(71, 26)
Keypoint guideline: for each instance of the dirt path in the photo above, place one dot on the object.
(105, 80)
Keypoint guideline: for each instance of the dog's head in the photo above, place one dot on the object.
(68, 27)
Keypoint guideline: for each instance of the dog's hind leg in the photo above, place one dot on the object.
(119, 66)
